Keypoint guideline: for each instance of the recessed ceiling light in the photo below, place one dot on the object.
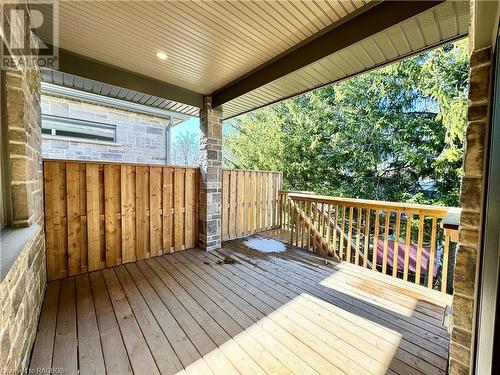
(161, 55)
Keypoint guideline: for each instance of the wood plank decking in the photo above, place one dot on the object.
(269, 313)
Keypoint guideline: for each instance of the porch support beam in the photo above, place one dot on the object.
(330, 40)
(210, 176)
(92, 69)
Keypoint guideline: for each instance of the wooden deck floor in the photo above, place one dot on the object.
(274, 313)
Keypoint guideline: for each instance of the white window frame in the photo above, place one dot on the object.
(77, 123)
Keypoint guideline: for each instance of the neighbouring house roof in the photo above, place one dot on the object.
(246, 54)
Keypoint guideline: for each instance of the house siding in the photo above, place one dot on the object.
(140, 138)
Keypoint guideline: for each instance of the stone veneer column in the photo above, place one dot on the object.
(210, 176)
(471, 200)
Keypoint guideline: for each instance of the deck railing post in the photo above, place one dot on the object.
(210, 176)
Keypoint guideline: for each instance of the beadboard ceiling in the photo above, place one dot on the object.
(211, 44)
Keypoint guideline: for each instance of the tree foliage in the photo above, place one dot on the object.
(393, 134)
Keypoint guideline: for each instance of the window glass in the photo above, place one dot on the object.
(66, 127)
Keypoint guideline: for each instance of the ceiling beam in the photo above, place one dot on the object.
(371, 21)
(92, 69)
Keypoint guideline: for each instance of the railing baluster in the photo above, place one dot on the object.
(386, 240)
(342, 234)
(313, 207)
(446, 255)
(308, 215)
(375, 241)
(418, 266)
(359, 212)
(290, 220)
(322, 220)
(367, 237)
(395, 255)
(335, 230)
(407, 245)
(432, 255)
(329, 227)
(313, 224)
(302, 235)
(349, 235)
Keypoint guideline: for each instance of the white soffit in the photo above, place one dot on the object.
(208, 43)
(93, 87)
(446, 22)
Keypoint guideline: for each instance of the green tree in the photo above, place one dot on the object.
(394, 134)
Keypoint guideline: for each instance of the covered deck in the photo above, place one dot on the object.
(288, 312)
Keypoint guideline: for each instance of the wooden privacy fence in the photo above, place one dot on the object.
(249, 201)
(403, 240)
(100, 215)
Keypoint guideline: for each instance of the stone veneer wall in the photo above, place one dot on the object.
(211, 176)
(140, 138)
(21, 296)
(471, 201)
(22, 288)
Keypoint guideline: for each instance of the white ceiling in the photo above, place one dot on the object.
(212, 43)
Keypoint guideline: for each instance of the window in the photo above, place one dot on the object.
(81, 129)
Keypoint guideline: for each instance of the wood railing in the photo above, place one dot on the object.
(99, 215)
(407, 241)
(249, 201)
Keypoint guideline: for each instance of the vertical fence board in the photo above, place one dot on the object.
(74, 218)
(112, 210)
(190, 208)
(225, 203)
(250, 202)
(155, 219)
(179, 175)
(127, 185)
(103, 214)
(167, 209)
(93, 220)
(142, 212)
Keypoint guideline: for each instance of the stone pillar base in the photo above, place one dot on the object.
(210, 176)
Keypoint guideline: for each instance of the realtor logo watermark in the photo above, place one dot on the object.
(30, 34)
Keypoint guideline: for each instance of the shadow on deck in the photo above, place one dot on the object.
(268, 313)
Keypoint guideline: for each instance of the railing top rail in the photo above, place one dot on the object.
(118, 163)
(437, 211)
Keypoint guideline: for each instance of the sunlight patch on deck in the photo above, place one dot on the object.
(370, 293)
(265, 245)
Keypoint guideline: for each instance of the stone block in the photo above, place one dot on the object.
(480, 57)
(475, 146)
(471, 193)
(465, 270)
(477, 112)
(457, 368)
(479, 82)
(461, 337)
(459, 353)
(469, 238)
(59, 108)
(463, 312)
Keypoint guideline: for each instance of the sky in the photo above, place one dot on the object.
(192, 125)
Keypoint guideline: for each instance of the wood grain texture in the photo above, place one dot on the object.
(286, 313)
(397, 239)
(101, 215)
(250, 202)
